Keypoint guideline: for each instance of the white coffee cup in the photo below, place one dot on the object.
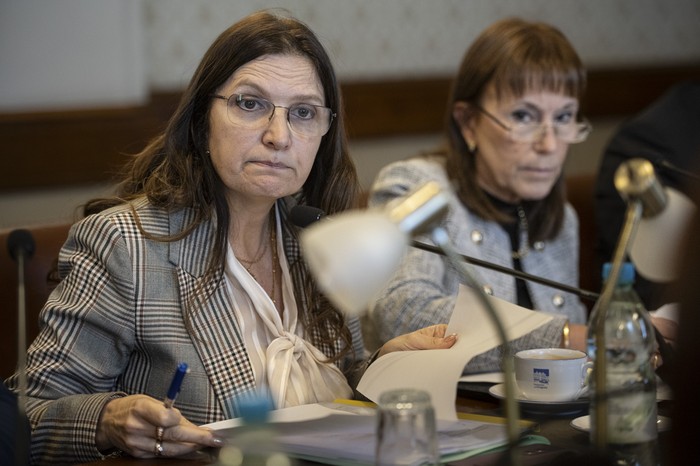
(552, 374)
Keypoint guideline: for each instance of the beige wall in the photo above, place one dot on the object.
(78, 53)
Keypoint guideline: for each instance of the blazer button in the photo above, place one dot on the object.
(558, 300)
(488, 290)
(477, 237)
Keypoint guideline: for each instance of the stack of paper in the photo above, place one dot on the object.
(344, 433)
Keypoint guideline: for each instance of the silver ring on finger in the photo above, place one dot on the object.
(159, 434)
(158, 449)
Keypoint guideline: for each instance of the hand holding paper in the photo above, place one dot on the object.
(438, 371)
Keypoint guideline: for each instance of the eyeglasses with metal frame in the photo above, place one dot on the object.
(252, 112)
(570, 132)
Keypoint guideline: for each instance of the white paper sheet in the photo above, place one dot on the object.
(438, 371)
(486, 377)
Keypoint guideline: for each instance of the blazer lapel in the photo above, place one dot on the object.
(206, 309)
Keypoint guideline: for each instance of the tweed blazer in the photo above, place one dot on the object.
(121, 320)
(424, 289)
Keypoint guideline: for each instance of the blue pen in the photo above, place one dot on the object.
(175, 384)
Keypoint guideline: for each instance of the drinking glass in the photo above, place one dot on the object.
(406, 429)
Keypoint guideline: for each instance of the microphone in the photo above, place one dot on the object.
(635, 180)
(20, 245)
(637, 184)
(353, 255)
(303, 216)
(664, 218)
(515, 273)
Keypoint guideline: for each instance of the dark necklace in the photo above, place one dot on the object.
(524, 242)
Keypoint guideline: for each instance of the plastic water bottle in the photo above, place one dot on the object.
(255, 442)
(630, 378)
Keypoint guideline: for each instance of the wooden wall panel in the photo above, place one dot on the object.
(53, 149)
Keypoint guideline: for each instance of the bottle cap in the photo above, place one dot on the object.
(255, 408)
(626, 273)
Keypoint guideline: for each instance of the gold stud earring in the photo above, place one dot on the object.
(471, 146)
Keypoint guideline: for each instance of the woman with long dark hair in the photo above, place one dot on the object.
(195, 260)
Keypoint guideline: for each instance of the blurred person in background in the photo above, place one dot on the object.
(666, 132)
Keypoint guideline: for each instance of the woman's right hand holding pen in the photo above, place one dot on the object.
(144, 427)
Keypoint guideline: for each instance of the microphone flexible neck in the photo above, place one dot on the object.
(515, 273)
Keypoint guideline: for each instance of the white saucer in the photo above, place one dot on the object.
(543, 407)
(583, 423)
(499, 391)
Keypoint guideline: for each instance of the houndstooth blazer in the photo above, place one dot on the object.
(116, 325)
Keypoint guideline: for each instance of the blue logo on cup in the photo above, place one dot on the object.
(540, 378)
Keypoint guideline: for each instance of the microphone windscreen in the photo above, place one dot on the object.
(304, 215)
(20, 242)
